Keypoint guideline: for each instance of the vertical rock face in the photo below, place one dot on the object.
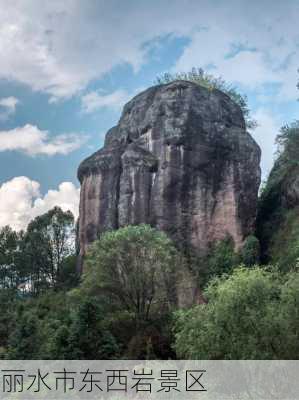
(278, 214)
(179, 159)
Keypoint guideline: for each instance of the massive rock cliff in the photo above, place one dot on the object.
(179, 159)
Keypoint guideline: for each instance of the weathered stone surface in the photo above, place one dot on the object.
(290, 189)
(179, 159)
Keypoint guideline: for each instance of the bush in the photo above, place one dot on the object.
(89, 338)
(221, 259)
(251, 251)
(252, 314)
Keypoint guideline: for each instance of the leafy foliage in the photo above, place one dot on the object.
(198, 76)
(88, 338)
(8, 301)
(48, 241)
(123, 307)
(9, 257)
(40, 258)
(25, 341)
(280, 245)
(288, 144)
(251, 251)
(136, 266)
(245, 318)
(288, 315)
(284, 244)
(222, 257)
(51, 327)
(51, 319)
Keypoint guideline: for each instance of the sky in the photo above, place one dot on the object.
(68, 67)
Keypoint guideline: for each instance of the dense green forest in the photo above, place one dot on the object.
(125, 303)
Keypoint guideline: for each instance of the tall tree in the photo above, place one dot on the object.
(89, 339)
(137, 266)
(9, 255)
(49, 240)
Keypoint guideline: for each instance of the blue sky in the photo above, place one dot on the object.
(67, 69)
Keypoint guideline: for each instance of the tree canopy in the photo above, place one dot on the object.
(252, 314)
(37, 258)
(137, 267)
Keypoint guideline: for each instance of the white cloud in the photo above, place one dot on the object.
(265, 135)
(29, 139)
(249, 46)
(248, 67)
(60, 47)
(289, 78)
(96, 100)
(21, 201)
(7, 107)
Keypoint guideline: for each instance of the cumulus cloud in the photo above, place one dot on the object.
(61, 47)
(247, 48)
(96, 100)
(21, 201)
(29, 139)
(7, 107)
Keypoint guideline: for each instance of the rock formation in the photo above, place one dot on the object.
(179, 159)
(278, 213)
